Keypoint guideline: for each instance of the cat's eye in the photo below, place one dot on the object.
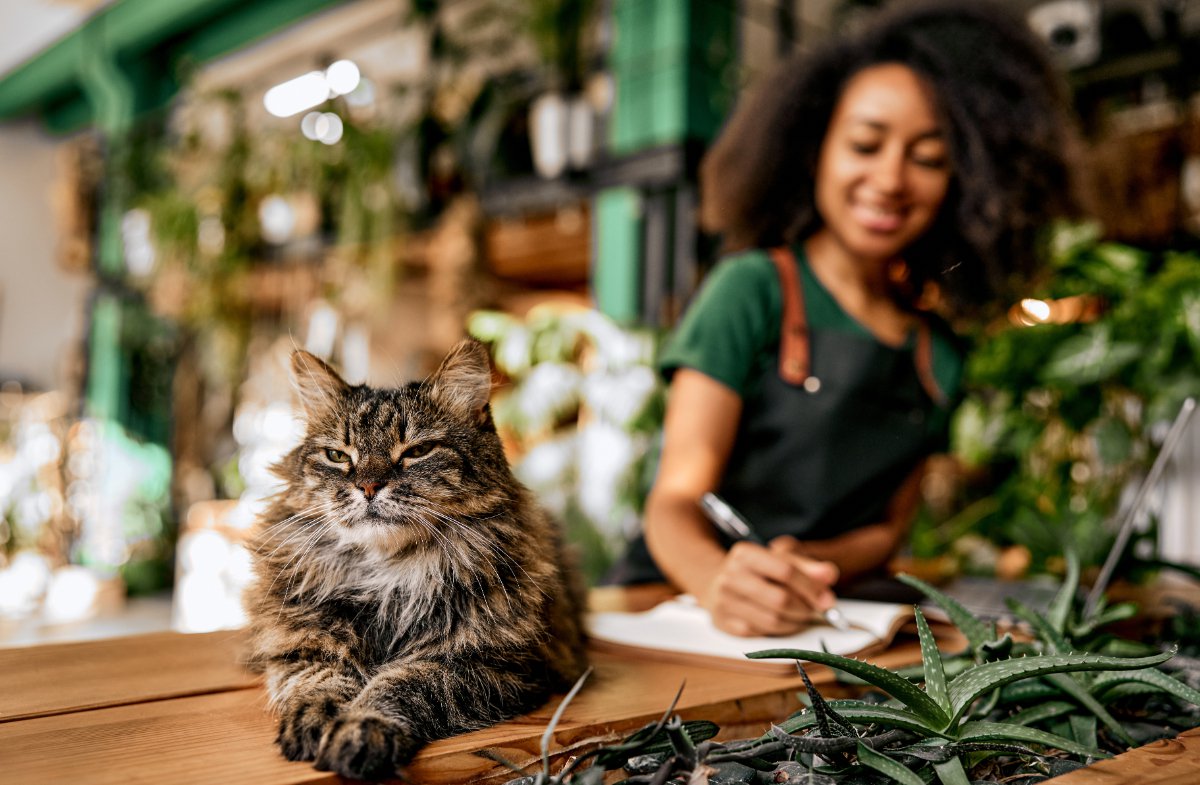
(419, 450)
(337, 456)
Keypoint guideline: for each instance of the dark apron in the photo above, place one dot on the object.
(827, 437)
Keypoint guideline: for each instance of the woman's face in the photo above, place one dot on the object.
(884, 166)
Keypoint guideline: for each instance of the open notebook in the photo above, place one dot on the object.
(679, 630)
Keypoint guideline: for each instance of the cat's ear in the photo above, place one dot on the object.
(318, 386)
(463, 382)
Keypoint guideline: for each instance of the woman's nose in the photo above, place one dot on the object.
(887, 172)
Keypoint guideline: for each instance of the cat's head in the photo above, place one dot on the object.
(396, 468)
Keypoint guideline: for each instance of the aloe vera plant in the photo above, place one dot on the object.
(936, 715)
(997, 704)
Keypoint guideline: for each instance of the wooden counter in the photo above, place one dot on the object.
(174, 708)
(168, 707)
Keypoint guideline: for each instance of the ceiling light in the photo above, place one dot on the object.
(328, 128)
(308, 126)
(296, 95)
(342, 77)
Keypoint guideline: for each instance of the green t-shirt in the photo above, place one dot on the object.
(730, 332)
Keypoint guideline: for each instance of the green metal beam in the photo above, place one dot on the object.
(616, 271)
(131, 31)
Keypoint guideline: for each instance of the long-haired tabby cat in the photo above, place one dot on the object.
(407, 587)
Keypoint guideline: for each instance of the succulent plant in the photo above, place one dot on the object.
(951, 717)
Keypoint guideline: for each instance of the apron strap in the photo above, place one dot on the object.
(923, 359)
(793, 339)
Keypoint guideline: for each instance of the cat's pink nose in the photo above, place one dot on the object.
(369, 489)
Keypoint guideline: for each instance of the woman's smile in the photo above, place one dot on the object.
(878, 218)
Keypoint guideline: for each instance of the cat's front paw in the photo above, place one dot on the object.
(302, 725)
(366, 746)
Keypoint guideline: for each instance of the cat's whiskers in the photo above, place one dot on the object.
(478, 537)
(306, 518)
(474, 574)
(294, 560)
(309, 533)
(307, 527)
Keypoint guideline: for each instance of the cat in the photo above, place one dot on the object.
(406, 586)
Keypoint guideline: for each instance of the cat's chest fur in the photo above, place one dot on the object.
(396, 604)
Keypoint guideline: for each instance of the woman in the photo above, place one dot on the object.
(904, 167)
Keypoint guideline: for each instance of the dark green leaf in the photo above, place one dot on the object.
(1155, 678)
(976, 631)
(886, 766)
(1003, 731)
(903, 690)
(992, 675)
(931, 659)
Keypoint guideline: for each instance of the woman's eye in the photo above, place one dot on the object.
(864, 148)
(930, 162)
(337, 456)
(931, 155)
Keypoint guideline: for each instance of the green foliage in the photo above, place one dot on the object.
(1057, 416)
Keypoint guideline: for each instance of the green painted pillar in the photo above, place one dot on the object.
(617, 251)
(672, 65)
(105, 380)
(111, 97)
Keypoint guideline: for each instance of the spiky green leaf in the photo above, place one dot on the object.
(903, 690)
(1060, 607)
(1121, 647)
(1053, 638)
(1126, 690)
(1084, 730)
(1005, 732)
(976, 631)
(886, 766)
(1155, 678)
(1104, 617)
(992, 675)
(931, 660)
(951, 772)
(865, 713)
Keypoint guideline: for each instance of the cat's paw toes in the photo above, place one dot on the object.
(366, 746)
(301, 727)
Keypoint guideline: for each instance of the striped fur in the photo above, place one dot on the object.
(407, 587)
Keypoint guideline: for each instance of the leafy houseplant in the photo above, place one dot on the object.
(1062, 406)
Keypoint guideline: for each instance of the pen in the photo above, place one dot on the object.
(733, 525)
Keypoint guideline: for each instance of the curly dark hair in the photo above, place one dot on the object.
(1009, 131)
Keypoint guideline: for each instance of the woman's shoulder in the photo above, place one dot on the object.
(751, 268)
(741, 282)
(731, 323)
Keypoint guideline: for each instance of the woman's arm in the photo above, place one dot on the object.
(869, 547)
(750, 590)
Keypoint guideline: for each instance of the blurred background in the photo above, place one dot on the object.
(190, 190)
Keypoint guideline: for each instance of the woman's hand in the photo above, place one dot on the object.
(749, 590)
(768, 591)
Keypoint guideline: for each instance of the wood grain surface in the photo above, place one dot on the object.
(1167, 762)
(36, 681)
